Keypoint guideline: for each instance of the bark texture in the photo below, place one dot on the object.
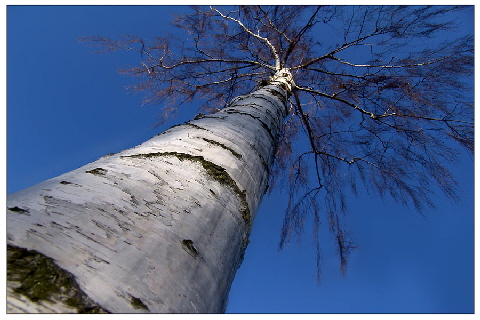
(161, 227)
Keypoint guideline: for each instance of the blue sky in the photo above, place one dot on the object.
(67, 107)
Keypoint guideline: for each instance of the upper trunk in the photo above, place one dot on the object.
(161, 227)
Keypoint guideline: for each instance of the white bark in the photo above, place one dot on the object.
(161, 227)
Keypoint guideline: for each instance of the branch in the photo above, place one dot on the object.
(160, 64)
(427, 118)
(311, 138)
(340, 74)
(262, 39)
(293, 43)
(392, 66)
(330, 55)
(351, 161)
(271, 24)
(234, 77)
(194, 61)
(333, 97)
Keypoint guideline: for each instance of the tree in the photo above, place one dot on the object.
(380, 109)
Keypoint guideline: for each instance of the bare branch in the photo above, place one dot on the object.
(387, 66)
(257, 35)
(331, 54)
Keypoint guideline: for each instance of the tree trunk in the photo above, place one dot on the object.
(161, 227)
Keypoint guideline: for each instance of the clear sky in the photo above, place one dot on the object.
(67, 107)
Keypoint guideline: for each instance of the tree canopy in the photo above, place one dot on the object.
(382, 102)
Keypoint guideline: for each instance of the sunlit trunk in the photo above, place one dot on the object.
(161, 227)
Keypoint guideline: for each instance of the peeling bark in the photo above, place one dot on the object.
(161, 227)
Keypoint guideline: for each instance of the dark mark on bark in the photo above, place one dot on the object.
(97, 171)
(188, 246)
(137, 303)
(19, 210)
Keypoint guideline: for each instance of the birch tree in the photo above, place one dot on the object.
(162, 227)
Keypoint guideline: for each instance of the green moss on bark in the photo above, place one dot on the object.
(32, 274)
